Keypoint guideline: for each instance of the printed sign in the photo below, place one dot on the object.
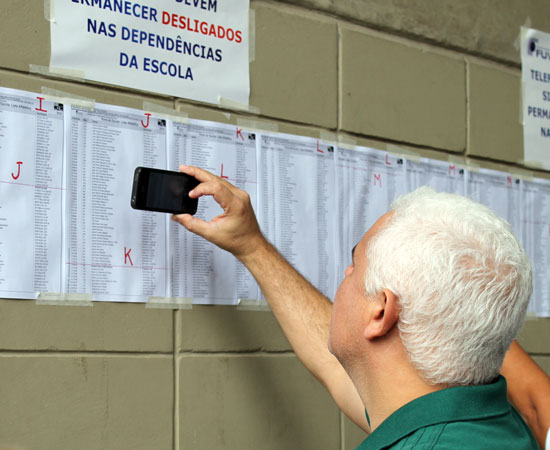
(535, 61)
(196, 49)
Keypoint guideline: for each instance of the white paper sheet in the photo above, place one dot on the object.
(440, 175)
(166, 46)
(367, 182)
(536, 241)
(31, 146)
(112, 251)
(535, 68)
(200, 270)
(499, 191)
(297, 204)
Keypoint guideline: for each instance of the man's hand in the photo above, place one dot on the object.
(236, 229)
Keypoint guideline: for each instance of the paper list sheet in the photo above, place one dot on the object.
(297, 204)
(112, 251)
(200, 270)
(31, 149)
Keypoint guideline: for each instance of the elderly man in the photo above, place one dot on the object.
(435, 293)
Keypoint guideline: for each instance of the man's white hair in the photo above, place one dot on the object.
(462, 279)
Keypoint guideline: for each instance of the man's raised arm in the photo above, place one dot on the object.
(528, 390)
(301, 310)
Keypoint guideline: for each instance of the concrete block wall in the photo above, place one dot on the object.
(440, 78)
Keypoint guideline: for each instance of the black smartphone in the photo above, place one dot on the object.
(163, 191)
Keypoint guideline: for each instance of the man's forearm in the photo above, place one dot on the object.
(528, 390)
(304, 315)
(302, 311)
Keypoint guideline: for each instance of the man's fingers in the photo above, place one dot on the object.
(204, 176)
(221, 193)
(193, 224)
(200, 174)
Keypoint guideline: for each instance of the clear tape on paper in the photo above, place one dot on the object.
(521, 174)
(64, 97)
(347, 142)
(457, 160)
(256, 125)
(56, 72)
(249, 304)
(165, 113)
(251, 35)
(525, 176)
(169, 303)
(403, 152)
(517, 42)
(49, 11)
(329, 136)
(64, 299)
(472, 166)
(232, 104)
(533, 164)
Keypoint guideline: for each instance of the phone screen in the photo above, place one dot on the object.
(164, 191)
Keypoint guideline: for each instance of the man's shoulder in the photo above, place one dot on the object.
(484, 434)
(472, 417)
(473, 435)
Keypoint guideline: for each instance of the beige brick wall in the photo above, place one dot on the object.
(439, 77)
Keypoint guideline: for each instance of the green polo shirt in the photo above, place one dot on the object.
(465, 417)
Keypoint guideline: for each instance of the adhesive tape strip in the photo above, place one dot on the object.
(231, 104)
(165, 113)
(49, 10)
(517, 41)
(256, 125)
(533, 164)
(526, 176)
(169, 303)
(329, 136)
(472, 166)
(457, 160)
(64, 299)
(347, 141)
(521, 174)
(403, 152)
(64, 97)
(248, 304)
(56, 72)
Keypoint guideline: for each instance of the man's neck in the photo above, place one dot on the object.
(387, 385)
(382, 399)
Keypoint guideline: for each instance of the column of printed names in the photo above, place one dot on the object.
(297, 204)
(31, 149)
(535, 238)
(440, 175)
(200, 270)
(112, 251)
(499, 191)
(367, 181)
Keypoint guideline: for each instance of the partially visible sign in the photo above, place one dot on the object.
(535, 62)
(196, 49)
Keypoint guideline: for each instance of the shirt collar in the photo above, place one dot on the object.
(448, 405)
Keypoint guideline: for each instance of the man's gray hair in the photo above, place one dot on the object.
(462, 279)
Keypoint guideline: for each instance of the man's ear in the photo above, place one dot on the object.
(384, 315)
